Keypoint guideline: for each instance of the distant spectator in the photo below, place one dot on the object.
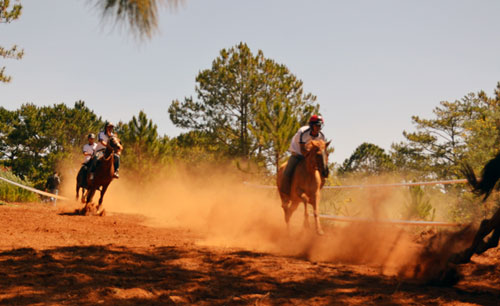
(52, 186)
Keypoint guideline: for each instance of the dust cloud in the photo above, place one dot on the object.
(216, 206)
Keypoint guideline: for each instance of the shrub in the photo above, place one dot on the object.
(12, 193)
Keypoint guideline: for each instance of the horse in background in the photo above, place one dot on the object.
(307, 180)
(102, 177)
(484, 186)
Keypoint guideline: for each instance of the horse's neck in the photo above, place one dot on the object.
(108, 152)
(312, 172)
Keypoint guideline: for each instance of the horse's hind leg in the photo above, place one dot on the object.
(289, 212)
(87, 209)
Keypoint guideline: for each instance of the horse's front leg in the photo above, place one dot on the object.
(494, 224)
(315, 203)
(478, 245)
(103, 191)
(305, 200)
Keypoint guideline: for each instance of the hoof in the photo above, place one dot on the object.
(320, 232)
(102, 213)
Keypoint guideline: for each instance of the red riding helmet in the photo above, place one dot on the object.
(316, 120)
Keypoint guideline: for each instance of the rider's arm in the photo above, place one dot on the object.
(101, 139)
(302, 144)
(303, 148)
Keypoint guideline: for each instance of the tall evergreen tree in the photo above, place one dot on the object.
(466, 129)
(367, 159)
(37, 138)
(250, 105)
(144, 149)
(9, 13)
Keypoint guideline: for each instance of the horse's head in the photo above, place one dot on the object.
(317, 156)
(115, 144)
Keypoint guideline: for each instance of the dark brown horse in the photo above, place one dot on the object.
(81, 182)
(103, 176)
(484, 186)
(308, 178)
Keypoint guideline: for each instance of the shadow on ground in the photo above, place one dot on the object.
(115, 275)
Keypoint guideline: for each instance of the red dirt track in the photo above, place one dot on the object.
(50, 257)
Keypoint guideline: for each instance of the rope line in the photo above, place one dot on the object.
(388, 221)
(384, 221)
(444, 182)
(447, 182)
(48, 194)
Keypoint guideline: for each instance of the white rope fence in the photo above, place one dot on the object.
(382, 221)
(388, 221)
(444, 182)
(47, 194)
(447, 182)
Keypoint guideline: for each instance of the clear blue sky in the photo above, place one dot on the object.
(372, 64)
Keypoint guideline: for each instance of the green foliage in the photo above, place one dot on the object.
(464, 130)
(11, 193)
(418, 205)
(35, 139)
(9, 13)
(250, 105)
(144, 151)
(367, 159)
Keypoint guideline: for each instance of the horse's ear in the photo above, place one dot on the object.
(328, 143)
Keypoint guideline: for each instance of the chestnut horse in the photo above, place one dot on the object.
(307, 180)
(102, 177)
(484, 186)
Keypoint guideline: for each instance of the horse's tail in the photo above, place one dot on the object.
(489, 177)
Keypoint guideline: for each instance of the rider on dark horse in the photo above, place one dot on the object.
(297, 149)
(88, 151)
(89, 148)
(102, 143)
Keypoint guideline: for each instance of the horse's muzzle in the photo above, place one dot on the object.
(325, 173)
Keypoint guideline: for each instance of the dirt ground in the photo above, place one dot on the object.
(50, 257)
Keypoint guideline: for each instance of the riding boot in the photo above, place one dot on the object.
(286, 181)
(116, 165)
(91, 168)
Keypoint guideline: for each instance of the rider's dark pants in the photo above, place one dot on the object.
(93, 162)
(117, 162)
(286, 181)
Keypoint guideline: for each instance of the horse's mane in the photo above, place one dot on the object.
(320, 144)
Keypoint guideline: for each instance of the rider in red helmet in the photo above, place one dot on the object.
(312, 131)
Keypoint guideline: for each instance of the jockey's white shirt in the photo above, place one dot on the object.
(89, 149)
(303, 135)
(102, 137)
